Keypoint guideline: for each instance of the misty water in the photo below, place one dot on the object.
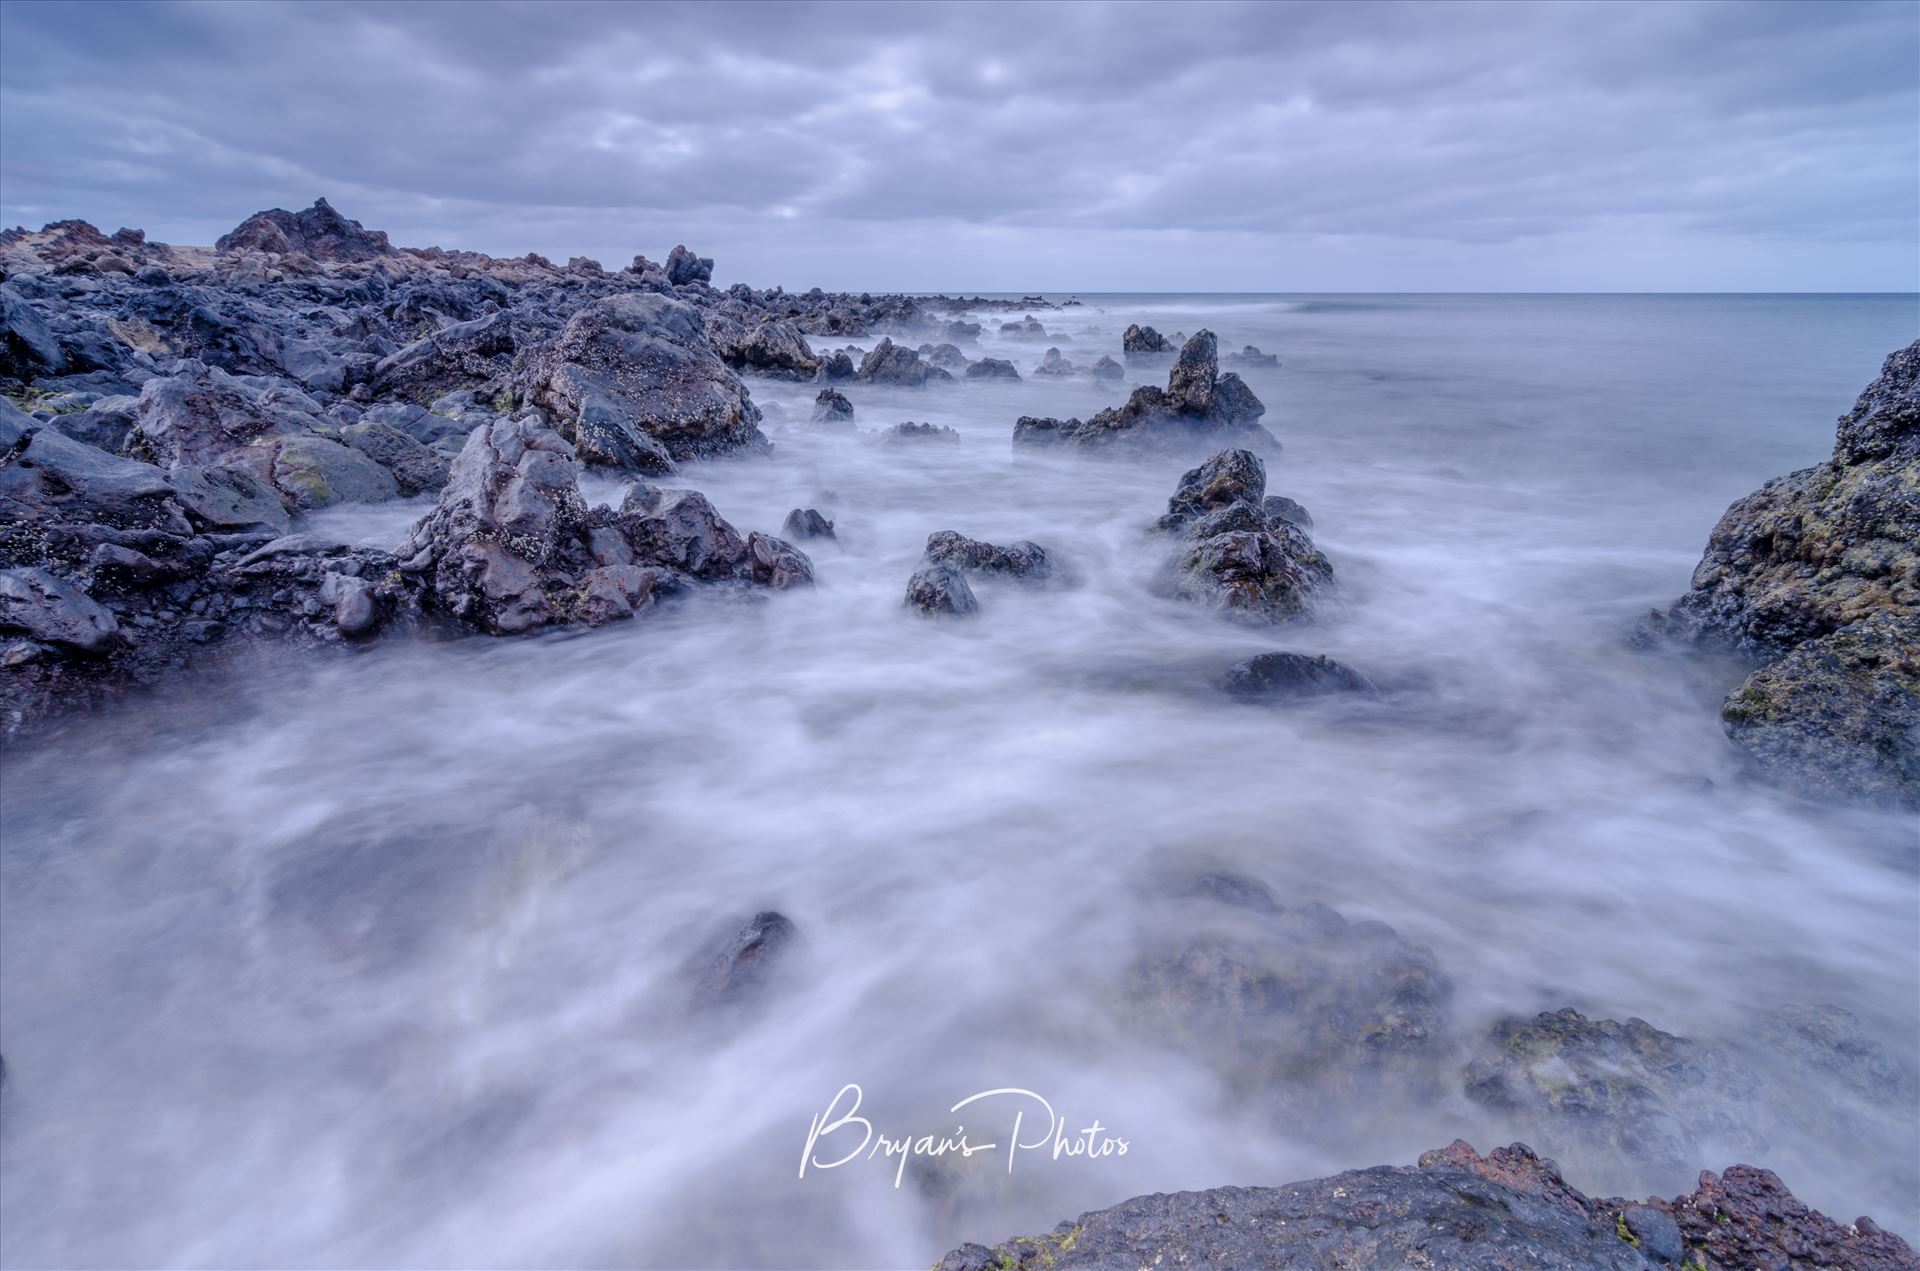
(392, 959)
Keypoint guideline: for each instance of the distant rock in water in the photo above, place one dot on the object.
(803, 523)
(1108, 369)
(1817, 576)
(831, 407)
(319, 232)
(992, 368)
(1143, 343)
(1234, 557)
(1287, 676)
(743, 968)
(1055, 365)
(1199, 407)
(1252, 356)
(911, 432)
(1028, 328)
(1022, 560)
(890, 363)
(1456, 1210)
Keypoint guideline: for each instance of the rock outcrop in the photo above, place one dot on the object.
(1273, 677)
(1233, 556)
(1199, 408)
(1816, 576)
(319, 233)
(1457, 1210)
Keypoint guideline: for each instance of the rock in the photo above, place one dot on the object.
(941, 590)
(106, 423)
(1236, 558)
(456, 356)
(683, 267)
(776, 563)
(1023, 560)
(958, 332)
(314, 472)
(28, 346)
(836, 366)
(832, 408)
(1108, 369)
(415, 468)
(768, 348)
(42, 607)
(1816, 576)
(1199, 407)
(1280, 508)
(1226, 478)
(356, 607)
(202, 414)
(890, 363)
(1252, 356)
(1839, 716)
(1025, 329)
(912, 432)
(945, 356)
(1455, 1210)
(747, 962)
(682, 529)
(1289, 676)
(319, 232)
(1138, 342)
(992, 368)
(229, 498)
(1234, 889)
(804, 523)
(1054, 365)
(635, 384)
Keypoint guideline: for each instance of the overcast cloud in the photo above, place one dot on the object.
(1124, 147)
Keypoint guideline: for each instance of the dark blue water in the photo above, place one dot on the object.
(382, 962)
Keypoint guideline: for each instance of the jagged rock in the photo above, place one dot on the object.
(832, 408)
(890, 363)
(415, 468)
(456, 356)
(1224, 479)
(201, 414)
(1108, 369)
(1280, 507)
(28, 346)
(682, 529)
(1839, 715)
(1028, 328)
(635, 385)
(1143, 342)
(684, 267)
(1236, 558)
(768, 348)
(319, 232)
(804, 523)
(941, 590)
(837, 366)
(992, 368)
(1287, 676)
(912, 432)
(1023, 560)
(1198, 407)
(1826, 560)
(42, 607)
(1054, 365)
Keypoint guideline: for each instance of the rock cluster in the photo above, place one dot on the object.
(941, 586)
(1200, 407)
(1816, 576)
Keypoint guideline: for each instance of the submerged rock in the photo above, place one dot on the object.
(832, 408)
(802, 523)
(912, 432)
(1252, 356)
(1198, 407)
(1108, 369)
(941, 590)
(1023, 560)
(749, 960)
(1287, 676)
(992, 368)
(1817, 575)
(890, 363)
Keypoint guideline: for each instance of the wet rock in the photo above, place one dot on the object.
(1108, 369)
(890, 363)
(39, 606)
(747, 962)
(1457, 1210)
(684, 267)
(1138, 341)
(960, 332)
(635, 385)
(1280, 508)
(805, 523)
(945, 356)
(355, 605)
(912, 432)
(1022, 560)
(1233, 889)
(941, 590)
(777, 564)
(415, 468)
(314, 472)
(1252, 356)
(837, 366)
(1290, 676)
(1225, 478)
(319, 232)
(1028, 328)
(202, 414)
(992, 368)
(832, 408)
(1234, 557)
(1199, 407)
(682, 529)
(1054, 365)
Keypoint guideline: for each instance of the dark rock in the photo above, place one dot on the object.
(767, 348)
(1055, 366)
(1108, 369)
(837, 366)
(319, 232)
(1287, 676)
(890, 363)
(958, 332)
(684, 267)
(633, 381)
(941, 589)
(748, 961)
(456, 356)
(51, 610)
(415, 468)
(1235, 557)
(1280, 508)
(28, 346)
(1023, 560)
(1138, 341)
(228, 498)
(992, 368)
(1025, 329)
(312, 471)
(912, 432)
(775, 563)
(1226, 478)
(832, 407)
(1234, 889)
(945, 356)
(804, 523)
(1656, 1232)
(202, 414)
(1251, 356)
(1199, 407)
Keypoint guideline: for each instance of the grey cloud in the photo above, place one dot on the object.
(1423, 126)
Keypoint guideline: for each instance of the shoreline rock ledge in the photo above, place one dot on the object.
(1461, 1211)
(1816, 577)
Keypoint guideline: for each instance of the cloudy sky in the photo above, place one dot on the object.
(1259, 147)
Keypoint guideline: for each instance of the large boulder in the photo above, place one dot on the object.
(28, 346)
(312, 471)
(1137, 341)
(890, 363)
(201, 414)
(768, 347)
(319, 232)
(684, 267)
(459, 355)
(40, 606)
(1826, 560)
(417, 469)
(635, 385)
(1199, 407)
(1233, 556)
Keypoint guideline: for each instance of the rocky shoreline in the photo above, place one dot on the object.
(174, 416)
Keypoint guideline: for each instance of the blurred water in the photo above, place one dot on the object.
(384, 960)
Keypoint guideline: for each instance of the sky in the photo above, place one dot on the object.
(978, 147)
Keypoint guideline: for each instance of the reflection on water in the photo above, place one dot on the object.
(385, 960)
